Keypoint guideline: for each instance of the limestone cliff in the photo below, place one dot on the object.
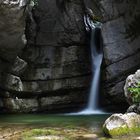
(121, 35)
(55, 63)
(51, 70)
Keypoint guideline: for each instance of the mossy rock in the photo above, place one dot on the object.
(119, 125)
(121, 131)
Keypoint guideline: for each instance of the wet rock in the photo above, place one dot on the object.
(121, 124)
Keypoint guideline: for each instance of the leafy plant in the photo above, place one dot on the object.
(135, 93)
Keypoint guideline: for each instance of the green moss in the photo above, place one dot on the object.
(135, 93)
(62, 133)
(121, 131)
(40, 132)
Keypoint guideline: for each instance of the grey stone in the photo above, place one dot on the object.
(57, 50)
(11, 82)
(131, 81)
(121, 124)
(12, 23)
(56, 62)
(54, 85)
(134, 108)
(20, 105)
(123, 67)
(121, 52)
(18, 67)
(57, 28)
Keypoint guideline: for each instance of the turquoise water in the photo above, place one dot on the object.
(54, 120)
(92, 123)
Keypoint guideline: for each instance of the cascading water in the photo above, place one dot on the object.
(97, 55)
(94, 28)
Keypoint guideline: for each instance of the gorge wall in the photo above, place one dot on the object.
(121, 38)
(52, 70)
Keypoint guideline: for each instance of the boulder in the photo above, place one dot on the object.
(121, 124)
(132, 82)
(134, 108)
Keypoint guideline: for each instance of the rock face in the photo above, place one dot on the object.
(122, 124)
(121, 47)
(12, 26)
(11, 29)
(52, 72)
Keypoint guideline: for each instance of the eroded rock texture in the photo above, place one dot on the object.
(53, 71)
(12, 24)
(121, 46)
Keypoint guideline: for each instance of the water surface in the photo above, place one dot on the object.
(54, 120)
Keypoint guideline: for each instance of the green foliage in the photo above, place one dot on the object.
(135, 93)
(29, 135)
(124, 131)
(40, 132)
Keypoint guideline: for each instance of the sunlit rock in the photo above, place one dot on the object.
(122, 124)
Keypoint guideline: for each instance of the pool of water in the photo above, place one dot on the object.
(54, 120)
(89, 122)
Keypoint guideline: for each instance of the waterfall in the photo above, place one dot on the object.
(97, 56)
(94, 28)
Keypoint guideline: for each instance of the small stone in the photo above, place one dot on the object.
(89, 136)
